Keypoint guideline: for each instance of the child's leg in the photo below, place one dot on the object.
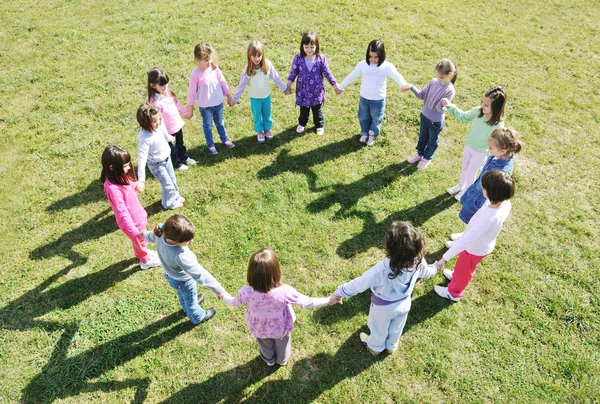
(219, 123)
(317, 111)
(395, 328)
(181, 149)
(139, 247)
(207, 121)
(266, 113)
(303, 118)
(472, 162)
(377, 109)
(364, 116)
(465, 267)
(433, 138)
(283, 348)
(423, 136)
(188, 298)
(165, 174)
(379, 323)
(256, 109)
(174, 155)
(267, 350)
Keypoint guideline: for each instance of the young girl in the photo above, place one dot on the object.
(119, 187)
(432, 115)
(371, 107)
(310, 67)
(153, 148)
(182, 269)
(163, 98)
(269, 314)
(479, 238)
(256, 75)
(391, 282)
(487, 117)
(209, 89)
(503, 144)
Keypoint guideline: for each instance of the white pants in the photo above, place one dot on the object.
(386, 324)
(471, 163)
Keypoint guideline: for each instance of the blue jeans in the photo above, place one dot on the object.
(429, 137)
(370, 116)
(188, 298)
(208, 115)
(261, 113)
(164, 173)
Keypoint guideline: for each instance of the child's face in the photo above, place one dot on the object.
(204, 63)
(126, 167)
(256, 59)
(310, 49)
(495, 149)
(486, 106)
(159, 88)
(156, 119)
(444, 79)
(373, 58)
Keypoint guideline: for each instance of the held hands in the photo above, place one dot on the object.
(231, 102)
(141, 186)
(446, 102)
(188, 114)
(440, 264)
(406, 87)
(220, 296)
(337, 91)
(333, 299)
(288, 91)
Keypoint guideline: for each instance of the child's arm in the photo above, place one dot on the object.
(192, 89)
(360, 284)
(275, 77)
(294, 70)
(115, 197)
(189, 263)
(397, 77)
(448, 95)
(143, 148)
(224, 86)
(239, 299)
(460, 114)
(327, 72)
(180, 107)
(298, 299)
(420, 94)
(352, 76)
(426, 271)
(241, 87)
(473, 232)
(148, 235)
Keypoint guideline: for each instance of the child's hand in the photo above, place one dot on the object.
(141, 186)
(440, 264)
(406, 87)
(333, 299)
(172, 139)
(188, 115)
(446, 102)
(220, 296)
(337, 90)
(231, 102)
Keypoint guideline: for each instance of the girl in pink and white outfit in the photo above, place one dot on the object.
(269, 314)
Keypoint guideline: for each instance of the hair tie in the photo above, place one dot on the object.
(160, 227)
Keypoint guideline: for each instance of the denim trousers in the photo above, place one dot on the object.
(386, 324)
(178, 151)
(370, 116)
(164, 173)
(208, 115)
(261, 113)
(317, 111)
(429, 137)
(188, 298)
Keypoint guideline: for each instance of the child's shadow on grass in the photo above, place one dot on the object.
(372, 230)
(64, 376)
(92, 193)
(245, 147)
(21, 313)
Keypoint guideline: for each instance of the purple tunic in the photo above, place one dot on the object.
(310, 89)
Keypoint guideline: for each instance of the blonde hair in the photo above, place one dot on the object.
(203, 50)
(507, 138)
(256, 48)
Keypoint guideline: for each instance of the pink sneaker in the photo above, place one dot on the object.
(414, 159)
(423, 163)
(229, 144)
(268, 135)
(260, 136)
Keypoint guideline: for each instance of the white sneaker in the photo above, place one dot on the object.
(229, 144)
(443, 292)
(459, 195)
(364, 337)
(455, 236)
(299, 129)
(151, 263)
(448, 273)
(371, 141)
(182, 167)
(363, 139)
(455, 189)
(152, 253)
(449, 244)
(190, 161)
(213, 150)
(320, 131)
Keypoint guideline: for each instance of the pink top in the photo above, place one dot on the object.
(269, 315)
(208, 88)
(169, 108)
(126, 206)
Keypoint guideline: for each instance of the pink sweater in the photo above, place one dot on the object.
(169, 108)
(269, 315)
(208, 88)
(126, 206)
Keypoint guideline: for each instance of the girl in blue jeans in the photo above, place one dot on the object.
(182, 269)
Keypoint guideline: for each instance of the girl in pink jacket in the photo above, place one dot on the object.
(120, 186)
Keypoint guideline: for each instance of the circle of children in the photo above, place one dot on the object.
(489, 149)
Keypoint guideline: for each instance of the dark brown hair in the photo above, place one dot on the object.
(405, 247)
(145, 116)
(498, 98)
(264, 273)
(376, 45)
(309, 38)
(499, 185)
(114, 158)
(158, 77)
(177, 228)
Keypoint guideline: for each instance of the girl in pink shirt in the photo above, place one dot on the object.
(120, 186)
(164, 99)
(269, 314)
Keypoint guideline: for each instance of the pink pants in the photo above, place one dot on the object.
(140, 244)
(472, 162)
(465, 267)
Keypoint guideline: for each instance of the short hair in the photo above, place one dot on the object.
(145, 116)
(498, 185)
(405, 247)
(177, 228)
(309, 38)
(498, 98)
(376, 45)
(264, 273)
(114, 158)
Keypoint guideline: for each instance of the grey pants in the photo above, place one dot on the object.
(276, 350)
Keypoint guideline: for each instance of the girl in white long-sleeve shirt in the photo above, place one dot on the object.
(371, 107)
(479, 237)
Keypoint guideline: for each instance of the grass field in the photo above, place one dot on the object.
(79, 322)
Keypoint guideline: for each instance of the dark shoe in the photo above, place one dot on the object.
(209, 314)
(200, 299)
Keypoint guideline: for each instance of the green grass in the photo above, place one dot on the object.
(79, 322)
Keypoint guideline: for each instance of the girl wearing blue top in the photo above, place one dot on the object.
(432, 115)
(391, 282)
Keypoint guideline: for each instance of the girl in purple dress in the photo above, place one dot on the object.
(310, 67)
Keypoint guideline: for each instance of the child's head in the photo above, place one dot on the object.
(375, 52)
(504, 142)
(256, 58)
(309, 45)
(446, 71)
(157, 82)
(204, 55)
(264, 273)
(148, 117)
(492, 105)
(177, 229)
(116, 165)
(498, 186)
(404, 246)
